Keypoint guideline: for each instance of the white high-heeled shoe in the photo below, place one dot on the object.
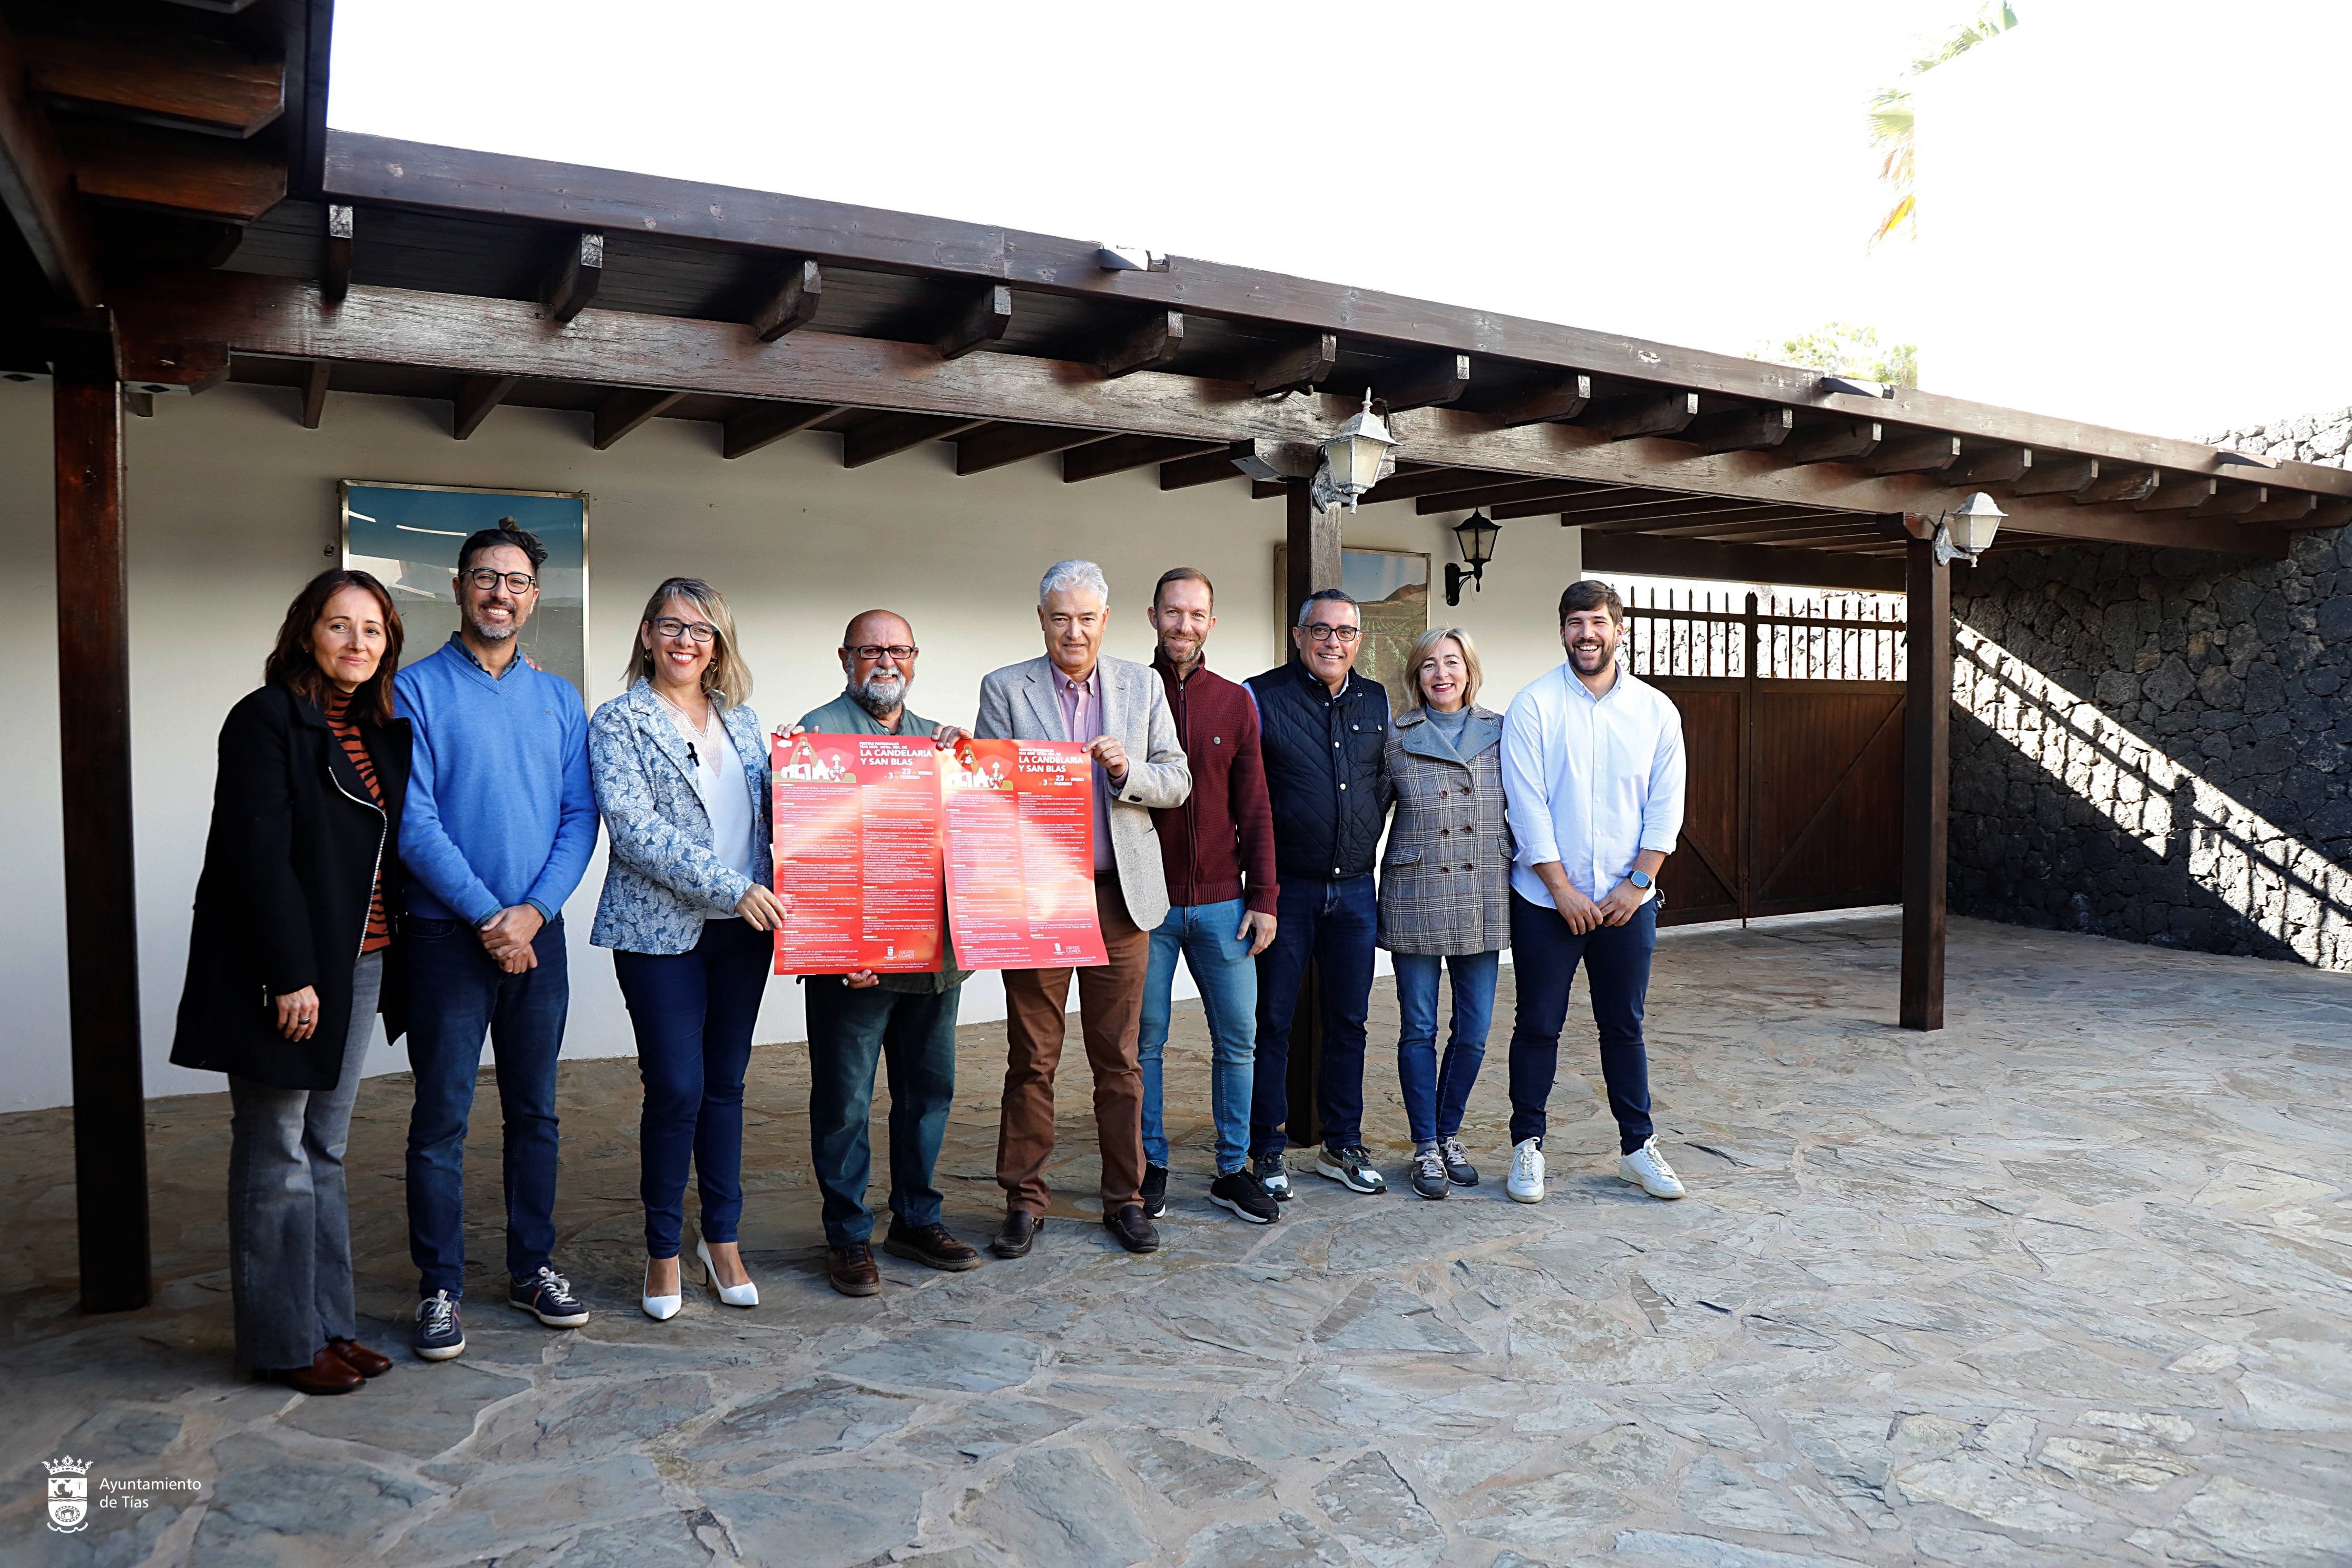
(744, 1295)
(660, 1309)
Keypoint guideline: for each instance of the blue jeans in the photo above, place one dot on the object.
(1333, 923)
(456, 995)
(1207, 935)
(1616, 959)
(693, 1013)
(913, 1033)
(1434, 1093)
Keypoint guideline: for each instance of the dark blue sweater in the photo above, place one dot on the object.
(500, 807)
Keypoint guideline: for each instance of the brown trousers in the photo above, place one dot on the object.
(1110, 1007)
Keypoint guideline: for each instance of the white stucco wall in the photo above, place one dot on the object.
(232, 507)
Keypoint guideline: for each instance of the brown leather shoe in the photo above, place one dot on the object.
(359, 1358)
(934, 1246)
(327, 1373)
(1017, 1234)
(851, 1269)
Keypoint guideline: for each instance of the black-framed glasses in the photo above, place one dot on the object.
(899, 651)
(671, 627)
(1321, 632)
(484, 580)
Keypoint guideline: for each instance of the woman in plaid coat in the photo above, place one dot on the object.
(1444, 893)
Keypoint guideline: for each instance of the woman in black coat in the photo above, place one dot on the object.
(297, 919)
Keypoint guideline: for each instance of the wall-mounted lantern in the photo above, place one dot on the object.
(1357, 456)
(1475, 535)
(1964, 534)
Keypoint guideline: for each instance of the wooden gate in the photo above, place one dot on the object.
(1793, 728)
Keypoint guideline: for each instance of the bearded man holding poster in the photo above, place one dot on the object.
(1118, 712)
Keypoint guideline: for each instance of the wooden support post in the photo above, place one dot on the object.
(1312, 564)
(101, 899)
(1926, 782)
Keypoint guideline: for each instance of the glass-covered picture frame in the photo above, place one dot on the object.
(408, 535)
(1392, 588)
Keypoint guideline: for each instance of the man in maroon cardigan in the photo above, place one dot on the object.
(1218, 851)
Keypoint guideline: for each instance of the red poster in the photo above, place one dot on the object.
(857, 854)
(1020, 818)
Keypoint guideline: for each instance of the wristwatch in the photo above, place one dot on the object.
(1639, 880)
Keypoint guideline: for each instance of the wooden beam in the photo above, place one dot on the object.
(335, 275)
(1995, 466)
(1757, 525)
(1647, 414)
(36, 188)
(1312, 561)
(1506, 491)
(1740, 429)
(2055, 476)
(167, 77)
(2178, 495)
(101, 898)
(1926, 782)
(625, 409)
(764, 424)
(1297, 368)
(1644, 517)
(2326, 514)
(179, 328)
(1204, 468)
(2235, 500)
(167, 171)
(791, 301)
(979, 321)
(314, 392)
(1147, 347)
(2290, 506)
(990, 447)
(476, 395)
(1121, 453)
(1914, 452)
(1433, 480)
(894, 433)
(573, 282)
(1832, 441)
(420, 174)
(1426, 384)
(2116, 486)
(1625, 500)
(1646, 555)
(1561, 397)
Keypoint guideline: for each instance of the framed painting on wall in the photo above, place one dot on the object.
(408, 535)
(1392, 587)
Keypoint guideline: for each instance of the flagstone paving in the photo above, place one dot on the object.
(2067, 1283)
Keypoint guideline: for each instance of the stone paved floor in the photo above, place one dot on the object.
(2064, 1284)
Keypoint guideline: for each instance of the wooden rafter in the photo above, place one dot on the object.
(1425, 383)
(1644, 414)
(1740, 429)
(335, 258)
(1994, 466)
(36, 188)
(791, 301)
(1297, 367)
(1507, 493)
(990, 447)
(574, 281)
(628, 409)
(1914, 452)
(2056, 475)
(315, 376)
(764, 424)
(980, 321)
(1153, 343)
(1121, 453)
(159, 76)
(1207, 468)
(889, 434)
(476, 395)
(1560, 397)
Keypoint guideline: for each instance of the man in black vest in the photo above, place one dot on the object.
(1323, 730)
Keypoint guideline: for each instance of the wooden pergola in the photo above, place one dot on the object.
(184, 216)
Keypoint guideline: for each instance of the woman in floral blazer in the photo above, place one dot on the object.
(680, 768)
(1445, 894)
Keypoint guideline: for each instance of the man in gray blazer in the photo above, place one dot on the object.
(1118, 711)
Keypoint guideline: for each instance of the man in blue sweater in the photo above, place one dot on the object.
(498, 826)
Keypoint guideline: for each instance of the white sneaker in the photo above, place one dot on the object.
(1527, 1184)
(1647, 1169)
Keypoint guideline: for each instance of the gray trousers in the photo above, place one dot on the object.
(289, 1219)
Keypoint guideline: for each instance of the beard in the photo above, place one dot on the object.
(490, 632)
(879, 695)
(1591, 660)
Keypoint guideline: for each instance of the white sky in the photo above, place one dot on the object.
(2131, 220)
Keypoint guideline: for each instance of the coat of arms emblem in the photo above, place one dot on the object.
(68, 1494)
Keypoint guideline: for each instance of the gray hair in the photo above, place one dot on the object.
(1063, 574)
(1329, 595)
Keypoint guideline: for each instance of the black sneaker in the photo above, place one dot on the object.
(1240, 1191)
(1458, 1168)
(439, 1335)
(1351, 1167)
(1429, 1173)
(1272, 1175)
(548, 1297)
(1155, 1191)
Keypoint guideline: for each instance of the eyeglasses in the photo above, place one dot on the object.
(1322, 633)
(671, 627)
(484, 580)
(870, 653)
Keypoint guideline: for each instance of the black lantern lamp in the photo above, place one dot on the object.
(1475, 535)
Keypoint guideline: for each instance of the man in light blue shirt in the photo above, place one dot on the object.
(1592, 771)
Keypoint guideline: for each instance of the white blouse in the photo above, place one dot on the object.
(726, 792)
